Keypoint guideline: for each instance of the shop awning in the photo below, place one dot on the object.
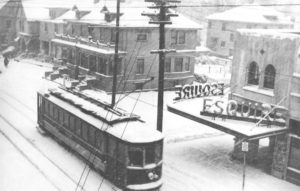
(191, 109)
(105, 51)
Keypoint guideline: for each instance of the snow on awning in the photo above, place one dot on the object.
(191, 109)
(106, 51)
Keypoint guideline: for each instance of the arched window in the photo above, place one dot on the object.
(253, 74)
(269, 78)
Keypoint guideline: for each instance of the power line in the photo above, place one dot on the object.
(28, 4)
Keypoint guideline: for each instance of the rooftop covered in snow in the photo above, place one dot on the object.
(117, 122)
(252, 14)
(131, 16)
(272, 33)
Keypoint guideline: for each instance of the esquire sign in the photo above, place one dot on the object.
(198, 90)
(245, 111)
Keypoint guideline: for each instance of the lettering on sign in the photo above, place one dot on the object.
(245, 147)
(198, 90)
(246, 111)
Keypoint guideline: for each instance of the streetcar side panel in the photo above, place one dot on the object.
(129, 165)
(76, 134)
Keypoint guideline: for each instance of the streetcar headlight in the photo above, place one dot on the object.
(151, 175)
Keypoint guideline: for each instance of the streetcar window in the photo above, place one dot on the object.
(122, 150)
(55, 113)
(112, 147)
(39, 100)
(66, 119)
(78, 127)
(150, 155)
(136, 157)
(84, 128)
(51, 110)
(158, 152)
(92, 132)
(61, 116)
(72, 122)
(46, 107)
(100, 143)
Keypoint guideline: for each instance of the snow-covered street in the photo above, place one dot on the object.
(196, 157)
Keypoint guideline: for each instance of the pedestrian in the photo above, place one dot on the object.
(6, 61)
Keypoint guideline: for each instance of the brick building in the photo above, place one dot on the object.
(222, 26)
(266, 67)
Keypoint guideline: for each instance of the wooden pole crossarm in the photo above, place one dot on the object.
(163, 6)
(162, 51)
(160, 22)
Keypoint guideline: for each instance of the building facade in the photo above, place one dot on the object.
(28, 26)
(266, 67)
(8, 22)
(138, 68)
(222, 26)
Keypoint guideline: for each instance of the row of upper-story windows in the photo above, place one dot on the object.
(177, 36)
(102, 65)
(269, 75)
(180, 64)
(91, 62)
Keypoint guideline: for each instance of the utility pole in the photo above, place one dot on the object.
(76, 60)
(245, 148)
(116, 57)
(163, 19)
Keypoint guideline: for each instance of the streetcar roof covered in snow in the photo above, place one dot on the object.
(127, 128)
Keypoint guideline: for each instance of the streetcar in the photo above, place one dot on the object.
(116, 144)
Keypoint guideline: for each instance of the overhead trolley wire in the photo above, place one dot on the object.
(111, 116)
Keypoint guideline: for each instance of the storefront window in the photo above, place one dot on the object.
(294, 159)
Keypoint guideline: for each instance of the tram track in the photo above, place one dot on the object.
(28, 159)
(17, 100)
(28, 140)
(14, 103)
